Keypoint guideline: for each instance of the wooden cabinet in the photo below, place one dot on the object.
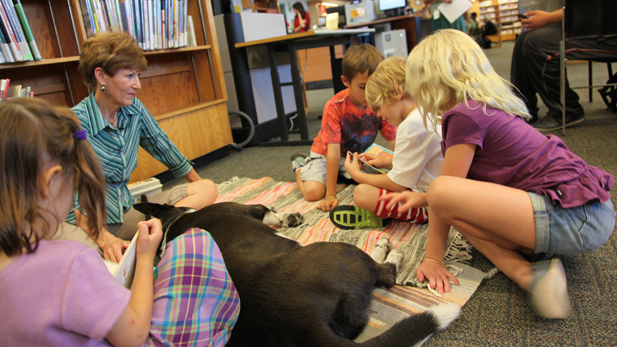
(183, 88)
(504, 13)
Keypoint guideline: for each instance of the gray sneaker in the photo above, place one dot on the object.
(552, 123)
(549, 289)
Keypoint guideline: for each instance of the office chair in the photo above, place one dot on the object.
(582, 20)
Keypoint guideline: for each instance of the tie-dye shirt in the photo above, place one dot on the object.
(355, 129)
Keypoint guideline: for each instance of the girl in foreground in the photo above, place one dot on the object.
(515, 194)
(60, 293)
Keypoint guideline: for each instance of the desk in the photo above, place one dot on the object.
(293, 42)
(410, 23)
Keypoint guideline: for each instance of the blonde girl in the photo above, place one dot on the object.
(518, 196)
(59, 292)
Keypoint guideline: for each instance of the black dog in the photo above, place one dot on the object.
(294, 295)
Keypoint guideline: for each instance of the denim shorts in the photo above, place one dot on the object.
(573, 230)
(315, 169)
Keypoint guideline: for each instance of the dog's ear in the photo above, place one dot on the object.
(153, 209)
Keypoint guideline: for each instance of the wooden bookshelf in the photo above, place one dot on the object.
(183, 88)
(504, 13)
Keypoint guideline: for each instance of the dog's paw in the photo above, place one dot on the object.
(283, 219)
(292, 219)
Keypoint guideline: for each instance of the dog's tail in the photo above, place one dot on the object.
(414, 330)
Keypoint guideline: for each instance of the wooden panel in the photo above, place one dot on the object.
(41, 25)
(64, 26)
(217, 76)
(318, 67)
(209, 130)
(169, 91)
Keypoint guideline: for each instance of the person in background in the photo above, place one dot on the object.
(348, 125)
(302, 21)
(438, 21)
(535, 63)
(416, 161)
(117, 124)
(59, 292)
(519, 197)
(271, 7)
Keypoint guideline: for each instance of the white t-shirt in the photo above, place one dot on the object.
(417, 153)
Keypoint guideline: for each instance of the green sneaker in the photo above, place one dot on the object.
(354, 217)
(297, 161)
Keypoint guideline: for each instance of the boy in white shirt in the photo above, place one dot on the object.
(417, 156)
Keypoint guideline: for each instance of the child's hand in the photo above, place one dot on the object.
(406, 199)
(352, 164)
(437, 274)
(150, 235)
(328, 203)
(376, 161)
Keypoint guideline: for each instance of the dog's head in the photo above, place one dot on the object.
(168, 214)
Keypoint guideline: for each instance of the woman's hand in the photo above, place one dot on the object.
(150, 235)
(112, 247)
(437, 274)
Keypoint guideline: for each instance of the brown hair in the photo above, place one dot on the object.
(387, 83)
(360, 58)
(111, 52)
(33, 133)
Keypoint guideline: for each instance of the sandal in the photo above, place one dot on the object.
(549, 289)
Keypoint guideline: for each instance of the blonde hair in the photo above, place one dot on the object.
(110, 51)
(359, 59)
(387, 83)
(32, 134)
(447, 68)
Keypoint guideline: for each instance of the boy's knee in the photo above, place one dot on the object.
(362, 194)
(313, 191)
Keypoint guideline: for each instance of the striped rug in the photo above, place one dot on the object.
(389, 306)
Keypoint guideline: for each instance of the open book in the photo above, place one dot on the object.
(124, 270)
(379, 151)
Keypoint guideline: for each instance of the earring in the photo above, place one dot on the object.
(103, 88)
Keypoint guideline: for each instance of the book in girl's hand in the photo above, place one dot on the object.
(124, 270)
(379, 151)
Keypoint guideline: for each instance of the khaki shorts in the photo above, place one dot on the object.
(127, 230)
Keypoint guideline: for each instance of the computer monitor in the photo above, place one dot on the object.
(392, 7)
(341, 14)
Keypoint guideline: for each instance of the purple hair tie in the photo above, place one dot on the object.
(80, 135)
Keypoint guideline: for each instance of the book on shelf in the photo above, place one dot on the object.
(4, 88)
(12, 39)
(155, 24)
(4, 47)
(17, 28)
(190, 30)
(379, 151)
(26, 28)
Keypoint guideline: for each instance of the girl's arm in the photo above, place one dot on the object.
(133, 326)
(456, 162)
(192, 176)
(333, 157)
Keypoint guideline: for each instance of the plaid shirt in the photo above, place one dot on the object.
(195, 300)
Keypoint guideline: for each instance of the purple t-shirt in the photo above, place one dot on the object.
(510, 152)
(60, 295)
